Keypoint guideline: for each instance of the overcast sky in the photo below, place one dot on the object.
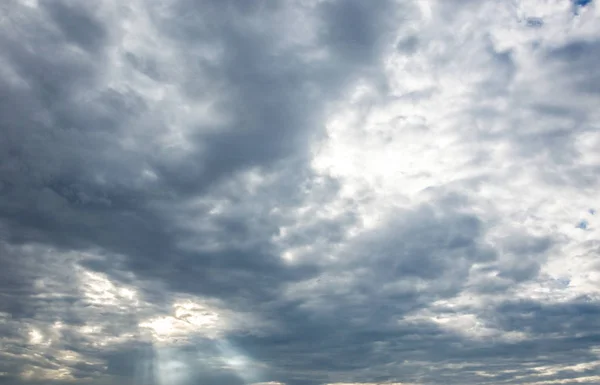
(308, 192)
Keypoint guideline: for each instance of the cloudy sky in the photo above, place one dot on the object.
(307, 192)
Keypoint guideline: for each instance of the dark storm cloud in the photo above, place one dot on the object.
(345, 328)
(354, 30)
(57, 159)
(526, 255)
(72, 182)
(52, 166)
(67, 181)
(77, 25)
(574, 317)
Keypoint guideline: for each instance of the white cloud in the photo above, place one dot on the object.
(462, 116)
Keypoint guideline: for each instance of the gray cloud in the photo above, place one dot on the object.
(157, 170)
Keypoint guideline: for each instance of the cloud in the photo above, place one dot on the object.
(308, 192)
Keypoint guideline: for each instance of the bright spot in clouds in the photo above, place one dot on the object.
(188, 319)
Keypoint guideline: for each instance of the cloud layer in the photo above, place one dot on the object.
(308, 192)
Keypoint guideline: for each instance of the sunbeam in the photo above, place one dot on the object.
(170, 367)
(234, 359)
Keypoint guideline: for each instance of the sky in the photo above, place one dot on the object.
(302, 192)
